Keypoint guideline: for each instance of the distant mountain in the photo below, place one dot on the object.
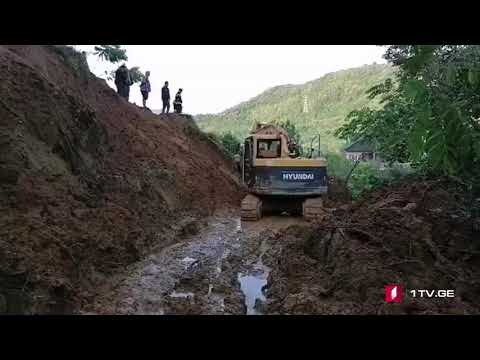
(318, 106)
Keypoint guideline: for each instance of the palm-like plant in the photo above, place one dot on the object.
(111, 53)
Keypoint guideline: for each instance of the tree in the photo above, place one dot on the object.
(291, 129)
(111, 53)
(230, 143)
(136, 75)
(430, 115)
(293, 134)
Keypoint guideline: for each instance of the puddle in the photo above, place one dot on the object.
(251, 286)
(253, 282)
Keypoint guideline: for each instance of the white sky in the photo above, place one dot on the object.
(216, 77)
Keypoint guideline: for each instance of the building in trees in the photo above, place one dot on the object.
(361, 150)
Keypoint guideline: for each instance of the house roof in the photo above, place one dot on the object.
(360, 146)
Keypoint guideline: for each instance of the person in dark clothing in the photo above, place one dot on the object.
(177, 103)
(145, 88)
(123, 81)
(165, 98)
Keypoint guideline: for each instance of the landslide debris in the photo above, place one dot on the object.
(88, 182)
(418, 233)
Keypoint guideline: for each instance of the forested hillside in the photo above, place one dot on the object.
(319, 106)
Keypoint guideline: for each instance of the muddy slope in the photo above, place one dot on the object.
(88, 182)
(418, 233)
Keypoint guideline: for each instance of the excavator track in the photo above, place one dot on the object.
(313, 209)
(251, 208)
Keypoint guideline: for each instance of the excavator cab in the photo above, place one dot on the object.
(268, 148)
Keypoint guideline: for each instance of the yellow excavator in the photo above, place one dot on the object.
(278, 180)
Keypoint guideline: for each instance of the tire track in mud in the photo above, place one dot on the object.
(217, 271)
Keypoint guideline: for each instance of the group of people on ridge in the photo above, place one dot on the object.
(123, 81)
(177, 103)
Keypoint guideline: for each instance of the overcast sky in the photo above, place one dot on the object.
(216, 77)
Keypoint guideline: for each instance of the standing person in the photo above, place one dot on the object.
(165, 98)
(145, 88)
(129, 83)
(177, 103)
(123, 81)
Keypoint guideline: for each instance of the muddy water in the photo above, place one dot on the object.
(218, 271)
(253, 283)
(252, 288)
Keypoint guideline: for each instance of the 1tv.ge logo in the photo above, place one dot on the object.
(394, 293)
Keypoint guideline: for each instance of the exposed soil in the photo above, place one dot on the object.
(106, 208)
(88, 182)
(201, 275)
(418, 234)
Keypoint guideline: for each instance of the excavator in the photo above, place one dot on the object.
(277, 178)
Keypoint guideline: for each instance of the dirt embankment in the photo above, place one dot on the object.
(88, 182)
(420, 234)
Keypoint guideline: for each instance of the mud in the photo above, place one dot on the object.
(106, 208)
(217, 271)
(90, 183)
(419, 234)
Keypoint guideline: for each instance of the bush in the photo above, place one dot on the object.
(338, 165)
(230, 143)
(366, 176)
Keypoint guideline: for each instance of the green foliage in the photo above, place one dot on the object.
(136, 75)
(293, 134)
(430, 118)
(382, 128)
(227, 143)
(366, 176)
(111, 53)
(330, 99)
(291, 129)
(338, 165)
(230, 143)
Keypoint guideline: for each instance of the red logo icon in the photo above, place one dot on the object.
(393, 293)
